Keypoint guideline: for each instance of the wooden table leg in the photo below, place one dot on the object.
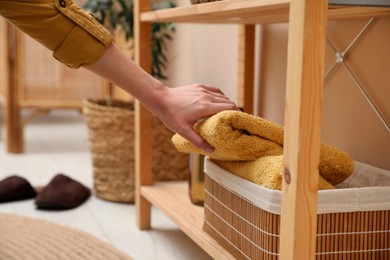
(13, 122)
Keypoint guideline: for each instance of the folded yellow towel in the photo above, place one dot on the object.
(238, 136)
(265, 171)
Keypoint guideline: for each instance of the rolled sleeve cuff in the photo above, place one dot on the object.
(79, 49)
(75, 37)
(86, 42)
(84, 20)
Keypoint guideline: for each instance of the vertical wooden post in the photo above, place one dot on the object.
(13, 125)
(4, 81)
(143, 118)
(246, 63)
(305, 68)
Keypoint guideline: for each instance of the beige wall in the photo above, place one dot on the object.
(204, 53)
(348, 121)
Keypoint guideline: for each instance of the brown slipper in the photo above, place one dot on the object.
(61, 193)
(15, 188)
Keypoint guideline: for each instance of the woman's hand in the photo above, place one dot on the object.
(178, 108)
(182, 107)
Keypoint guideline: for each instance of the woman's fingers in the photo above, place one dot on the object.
(197, 140)
(186, 105)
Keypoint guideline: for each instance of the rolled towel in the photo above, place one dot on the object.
(265, 171)
(238, 136)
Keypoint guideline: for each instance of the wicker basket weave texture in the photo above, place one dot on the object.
(249, 232)
(111, 137)
(167, 163)
(112, 145)
(248, 224)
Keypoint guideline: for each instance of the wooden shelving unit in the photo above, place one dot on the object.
(186, 215)
(247, 12)
(305, 68)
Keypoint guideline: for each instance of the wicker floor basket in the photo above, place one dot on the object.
(245, 220)
(111, 138)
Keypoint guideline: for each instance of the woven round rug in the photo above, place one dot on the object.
(28, 238)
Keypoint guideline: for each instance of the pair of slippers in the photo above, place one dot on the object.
(61, 193)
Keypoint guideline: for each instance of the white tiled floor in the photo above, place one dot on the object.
(58, 142)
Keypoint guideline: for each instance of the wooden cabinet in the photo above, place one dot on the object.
(32, 82)
(305, 69)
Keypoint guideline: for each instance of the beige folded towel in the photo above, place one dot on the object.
(238, 136)
(265, 171)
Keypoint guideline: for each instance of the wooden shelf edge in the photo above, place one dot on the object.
(225, 11)
(173, 200)
(249, 12)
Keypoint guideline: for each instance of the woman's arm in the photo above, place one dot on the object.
(78, 40)
(179, 108)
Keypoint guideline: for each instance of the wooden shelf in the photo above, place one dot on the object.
(248, 12)
(305, 63)
(173, 200)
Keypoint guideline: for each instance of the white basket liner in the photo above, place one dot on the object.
(367, 189)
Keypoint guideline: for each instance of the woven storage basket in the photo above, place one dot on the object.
(111, 138)
(352, 223)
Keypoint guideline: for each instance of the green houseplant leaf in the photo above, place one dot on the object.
(119, 14)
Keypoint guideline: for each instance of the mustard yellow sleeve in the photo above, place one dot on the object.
(74, 36)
